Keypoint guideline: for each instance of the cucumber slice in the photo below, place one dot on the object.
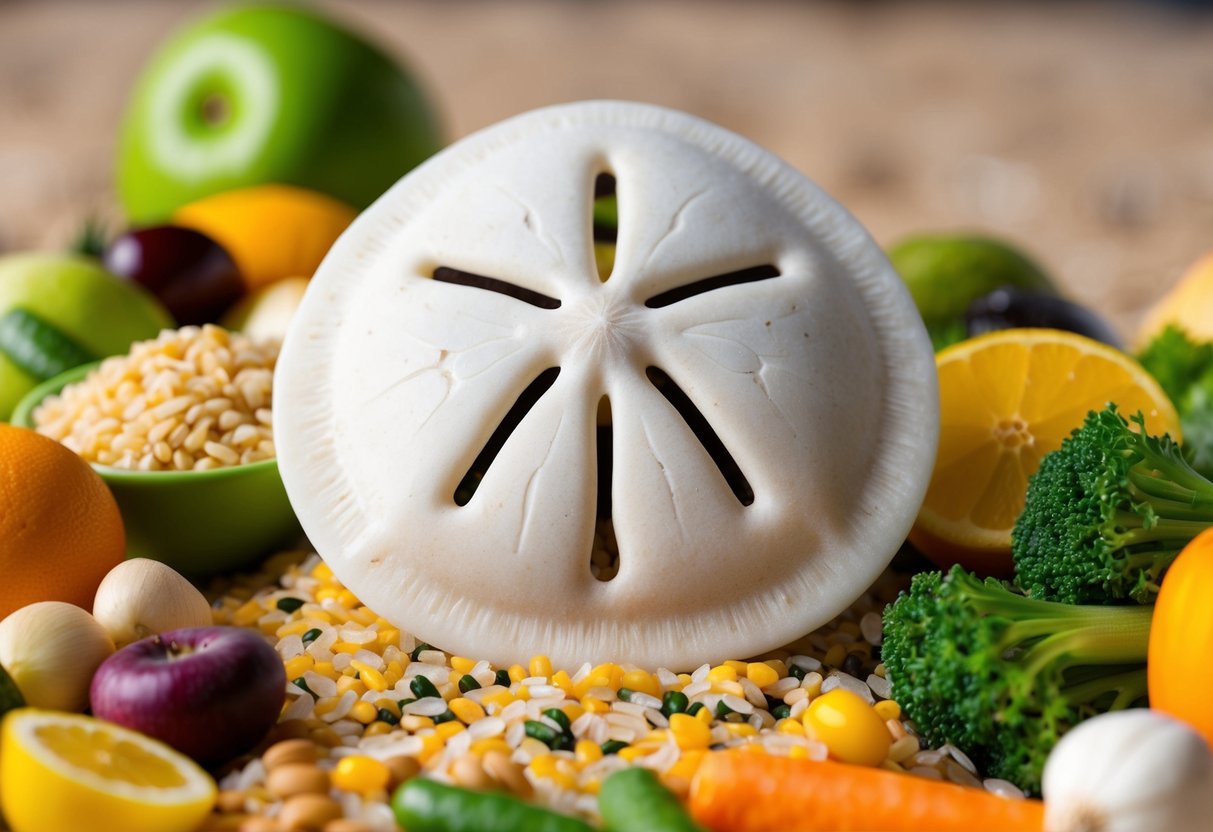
(38, 347)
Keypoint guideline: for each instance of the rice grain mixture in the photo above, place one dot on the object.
(192, 399)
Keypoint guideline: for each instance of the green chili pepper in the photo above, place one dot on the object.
(694, 708)
(418, 649)
(537, 730)
(559, 717)
(384, 715)
(38, 347)
(423, 805)
(502, 678)
(613, 746)
(633, 800)
(311, 635)
(468, 682)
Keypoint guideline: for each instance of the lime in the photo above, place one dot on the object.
(947, 272)
(77, 301)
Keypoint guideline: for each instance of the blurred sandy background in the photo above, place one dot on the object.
(1084, 132)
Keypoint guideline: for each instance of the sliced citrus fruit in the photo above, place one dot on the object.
(67, 771)
(1006, 400)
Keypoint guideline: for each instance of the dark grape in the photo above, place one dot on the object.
(192, 275)
(1005, 308)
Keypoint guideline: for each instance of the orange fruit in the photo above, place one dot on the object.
(60, 529)
(1188, 305)
(270, 231)
(1007, 399)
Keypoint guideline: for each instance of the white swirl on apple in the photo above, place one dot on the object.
(750, 389)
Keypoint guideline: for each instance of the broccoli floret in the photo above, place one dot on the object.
(1107, 513)
(1184, 369)
(1002, 676)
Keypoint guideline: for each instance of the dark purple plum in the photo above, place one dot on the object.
(212, 693)
(1007, 308)
(192, 275)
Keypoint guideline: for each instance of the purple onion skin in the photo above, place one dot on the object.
(212, 693)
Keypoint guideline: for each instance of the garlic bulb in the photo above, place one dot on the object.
(51, 649)
(1129, 771)
(142, 597)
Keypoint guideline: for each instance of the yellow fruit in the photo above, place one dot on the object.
(65, 771)
(1006, 400)
(60, 529)
(1188, 305)
(271, 231)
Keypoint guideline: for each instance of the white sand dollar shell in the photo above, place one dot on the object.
(796, 344)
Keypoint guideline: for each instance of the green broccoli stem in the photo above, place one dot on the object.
(1130, 686)
(1179, 492)
(1092, 635)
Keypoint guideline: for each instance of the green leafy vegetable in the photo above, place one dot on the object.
(1184, 369)
(1004, 676)
(1107, 513)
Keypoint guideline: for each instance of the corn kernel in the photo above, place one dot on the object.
(325, 669)
(887, 709)
(586, 752)
(632, 753)
(376, 728)
(540, 666)
(594, 705)
(348, 683)
(248, 613)
(321, 572)
(642, 681)
(369, 676)
(684, 679)
(299, 665)
(591, 786)
(573, 712)
(364, 712)
(327, 593)
(347, 599)
(761, 674)
(415, 722)
(738, 667)
(466, 710)
(488, 744)
(517, 673)
(704, 715)
(779, 666)
(388, 635)
(346, 647)
(543, 765)
(790, 726)
(722, 673)
(798, 752)
(293, 628)
(734, 688)
(449, 729)
(523, 693)
(689, 731)
(431, 744)
(501, 698)
(389, 705)
(562, 680)
(687, 765)
(461, 665)
(835, 655)
(741, 729)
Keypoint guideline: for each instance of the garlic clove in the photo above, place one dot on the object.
(51, 650)
(142, 597)
(1129, 771)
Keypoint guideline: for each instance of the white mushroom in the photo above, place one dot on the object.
(768, 384)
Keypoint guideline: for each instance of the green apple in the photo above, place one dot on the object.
(947, 272)
(261, 93)
(59, 310)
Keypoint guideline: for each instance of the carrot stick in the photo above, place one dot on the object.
(744, 792)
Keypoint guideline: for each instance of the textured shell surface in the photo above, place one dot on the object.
(768, 384)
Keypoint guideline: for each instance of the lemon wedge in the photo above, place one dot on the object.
(66, 771)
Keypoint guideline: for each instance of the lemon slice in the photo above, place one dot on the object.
(1006, 400)
(65, 771)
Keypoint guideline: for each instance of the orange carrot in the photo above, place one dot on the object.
(742, 792)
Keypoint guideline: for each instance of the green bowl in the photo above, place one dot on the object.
(200, 523)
